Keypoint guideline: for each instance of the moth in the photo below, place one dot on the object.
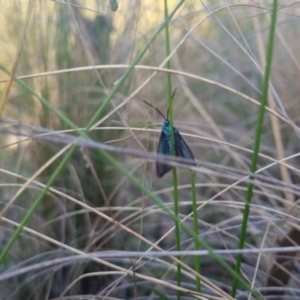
(165, 145)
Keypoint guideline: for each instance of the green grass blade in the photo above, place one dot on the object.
(258, 134)
(159, 294)
(175, 180)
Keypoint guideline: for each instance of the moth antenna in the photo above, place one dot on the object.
(171, 99)
(155, 109)
(174, 93)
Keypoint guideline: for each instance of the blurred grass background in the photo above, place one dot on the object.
(220, 48)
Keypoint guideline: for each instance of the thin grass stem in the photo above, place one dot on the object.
(195, 223)
(170, 116)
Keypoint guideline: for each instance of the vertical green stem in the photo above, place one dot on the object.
(175, 180)
(258, 134)
(195, 222)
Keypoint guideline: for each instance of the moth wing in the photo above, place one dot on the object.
(163, 148)
(181, 147)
